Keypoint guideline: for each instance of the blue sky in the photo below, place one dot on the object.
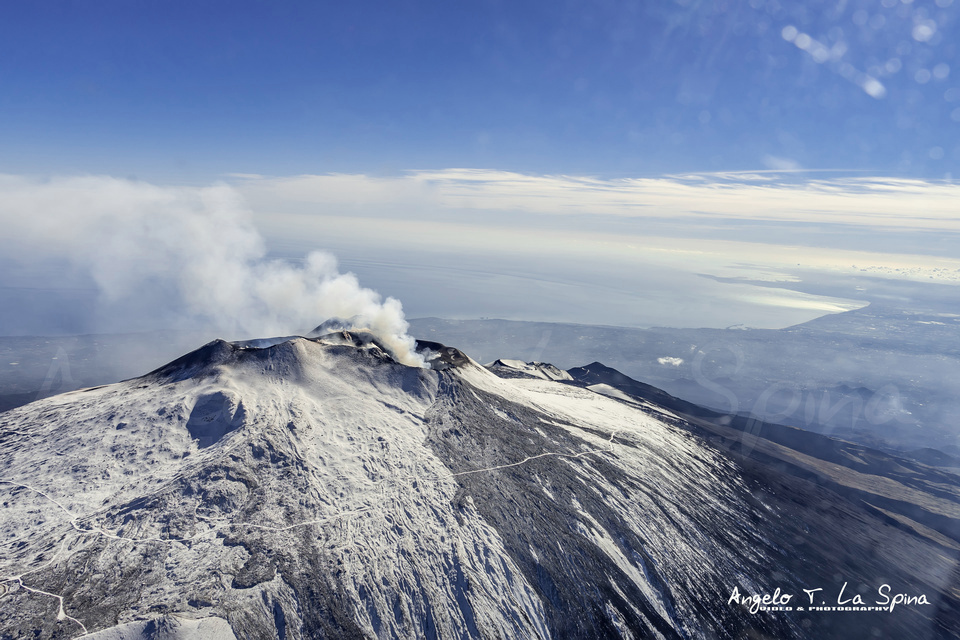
(581, 161)
(188, 91)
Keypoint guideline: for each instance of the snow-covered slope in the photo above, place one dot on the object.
(517, 368)
(306, 488)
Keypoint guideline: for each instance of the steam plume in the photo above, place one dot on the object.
(190, 256)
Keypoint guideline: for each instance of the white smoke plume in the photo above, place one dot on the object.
(190, 256)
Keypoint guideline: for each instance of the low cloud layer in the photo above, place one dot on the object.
(759, 225)
(101, 254)
(775, 196)
(188, 258)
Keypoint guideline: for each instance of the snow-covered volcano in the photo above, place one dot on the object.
(311, 488)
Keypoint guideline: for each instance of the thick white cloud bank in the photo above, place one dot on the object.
(469, 243)
(778, 196)
(100, 254)
(770, 221)
(189, 256)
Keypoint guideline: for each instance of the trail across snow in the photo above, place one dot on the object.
(542, 455)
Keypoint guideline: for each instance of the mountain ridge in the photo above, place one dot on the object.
(487, 506)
